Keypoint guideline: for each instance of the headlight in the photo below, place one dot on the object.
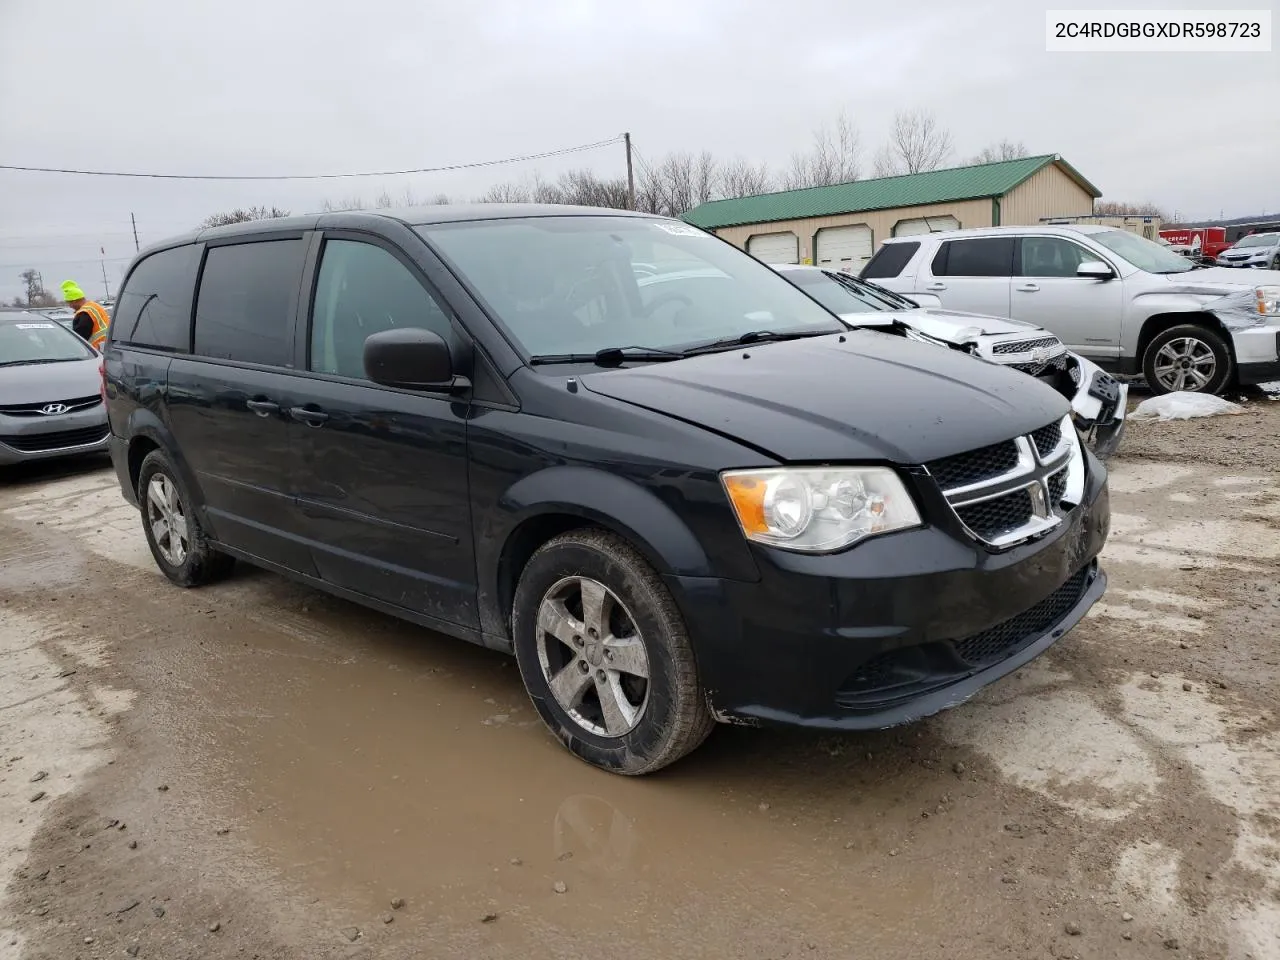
(816, 510)
(1269, 301)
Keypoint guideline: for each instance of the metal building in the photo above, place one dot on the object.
(842, 225)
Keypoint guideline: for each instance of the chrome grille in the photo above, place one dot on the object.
(1035, 369)
(1006, 493)
(1026, 346)
(39, 409)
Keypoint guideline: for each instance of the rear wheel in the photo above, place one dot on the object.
(173, 531)
(1187, 357)
(605, 656)
(1275, 262)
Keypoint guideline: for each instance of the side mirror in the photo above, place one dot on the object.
(412, 359)
(1095, 270)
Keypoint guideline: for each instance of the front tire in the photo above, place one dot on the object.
(1187, 357)
(178, 542)
(605, 656)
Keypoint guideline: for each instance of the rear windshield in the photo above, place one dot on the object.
(39, 341)
(577, 284)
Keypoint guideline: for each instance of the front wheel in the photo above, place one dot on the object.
(605, 657)
(1187, 357)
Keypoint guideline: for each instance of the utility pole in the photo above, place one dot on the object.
(103, 264)
(134, 221)
(631, 179)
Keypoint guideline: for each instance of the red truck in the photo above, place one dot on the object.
(1199, 242)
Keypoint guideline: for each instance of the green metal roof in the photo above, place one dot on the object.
(886, 193)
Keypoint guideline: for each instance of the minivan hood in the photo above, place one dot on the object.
(49, 382)
(873, 397)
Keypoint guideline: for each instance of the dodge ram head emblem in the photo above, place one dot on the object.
(53, 409)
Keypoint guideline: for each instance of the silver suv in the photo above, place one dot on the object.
(1128, 304)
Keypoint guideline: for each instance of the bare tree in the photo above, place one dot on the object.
(917, 143)
(37, 295)
(741, 178)
(341, 206)
(1119, 208)
(680, 182)
(439, 200)
(241, 215)
(835, 157)
(383, 201)
(506, 193)
(1004, 150)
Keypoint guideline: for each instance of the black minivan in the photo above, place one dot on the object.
(678, 489)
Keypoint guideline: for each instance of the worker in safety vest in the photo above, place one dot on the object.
(91, 319)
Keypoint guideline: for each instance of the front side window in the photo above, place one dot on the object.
(362, 289)
(248, 292)
(154, 309)
(35, 340)
(578, 284)
(1144, 254)
(1051, 257)
(979, 257)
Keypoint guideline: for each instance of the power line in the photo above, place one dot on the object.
(319, 176)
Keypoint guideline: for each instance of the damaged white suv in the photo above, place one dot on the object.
(1130, 305)
(1097, 399)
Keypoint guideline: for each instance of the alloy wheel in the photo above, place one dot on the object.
(1185, 363)
(167, 519)
(593, 657)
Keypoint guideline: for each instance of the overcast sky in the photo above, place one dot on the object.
(277, 87)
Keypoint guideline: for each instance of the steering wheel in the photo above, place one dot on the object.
(663, 299)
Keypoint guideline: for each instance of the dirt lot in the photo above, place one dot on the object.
(256, 770)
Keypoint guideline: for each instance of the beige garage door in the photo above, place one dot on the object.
(843, 248)
(775, 247)
(911, 228)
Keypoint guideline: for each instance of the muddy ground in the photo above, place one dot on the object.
(257, 770)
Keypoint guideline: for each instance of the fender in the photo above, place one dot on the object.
(143, 423)
(1147, 305)
(597, 497)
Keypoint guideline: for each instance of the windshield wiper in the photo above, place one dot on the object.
(24, 363)
(609, 356)
(754, 336)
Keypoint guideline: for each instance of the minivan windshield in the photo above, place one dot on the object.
(37, 340)
(1142, 253)
(563, 285)
(1259, 240)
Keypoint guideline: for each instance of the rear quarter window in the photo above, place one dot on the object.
(154, 308)
(979, 257)
(248, 294)
(890, 260)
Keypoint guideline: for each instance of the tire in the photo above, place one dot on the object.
(177, 540)
(1275, 262)
(1175, 357)
(653, 722)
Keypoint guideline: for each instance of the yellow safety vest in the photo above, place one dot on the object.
(101, 321)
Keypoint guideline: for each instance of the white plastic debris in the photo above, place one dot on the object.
(1183, 405)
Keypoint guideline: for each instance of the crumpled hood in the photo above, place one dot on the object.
(49, 382)
(945, 324)
(1221, 281)
(874, 397)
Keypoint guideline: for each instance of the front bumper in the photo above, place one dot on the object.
(1099, 408)
(894, 629)
(24, 439)
(1257, 352)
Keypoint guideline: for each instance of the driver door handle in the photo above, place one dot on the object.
(936, 286)
(1029, 288)
(263, 408)
(312, 418)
